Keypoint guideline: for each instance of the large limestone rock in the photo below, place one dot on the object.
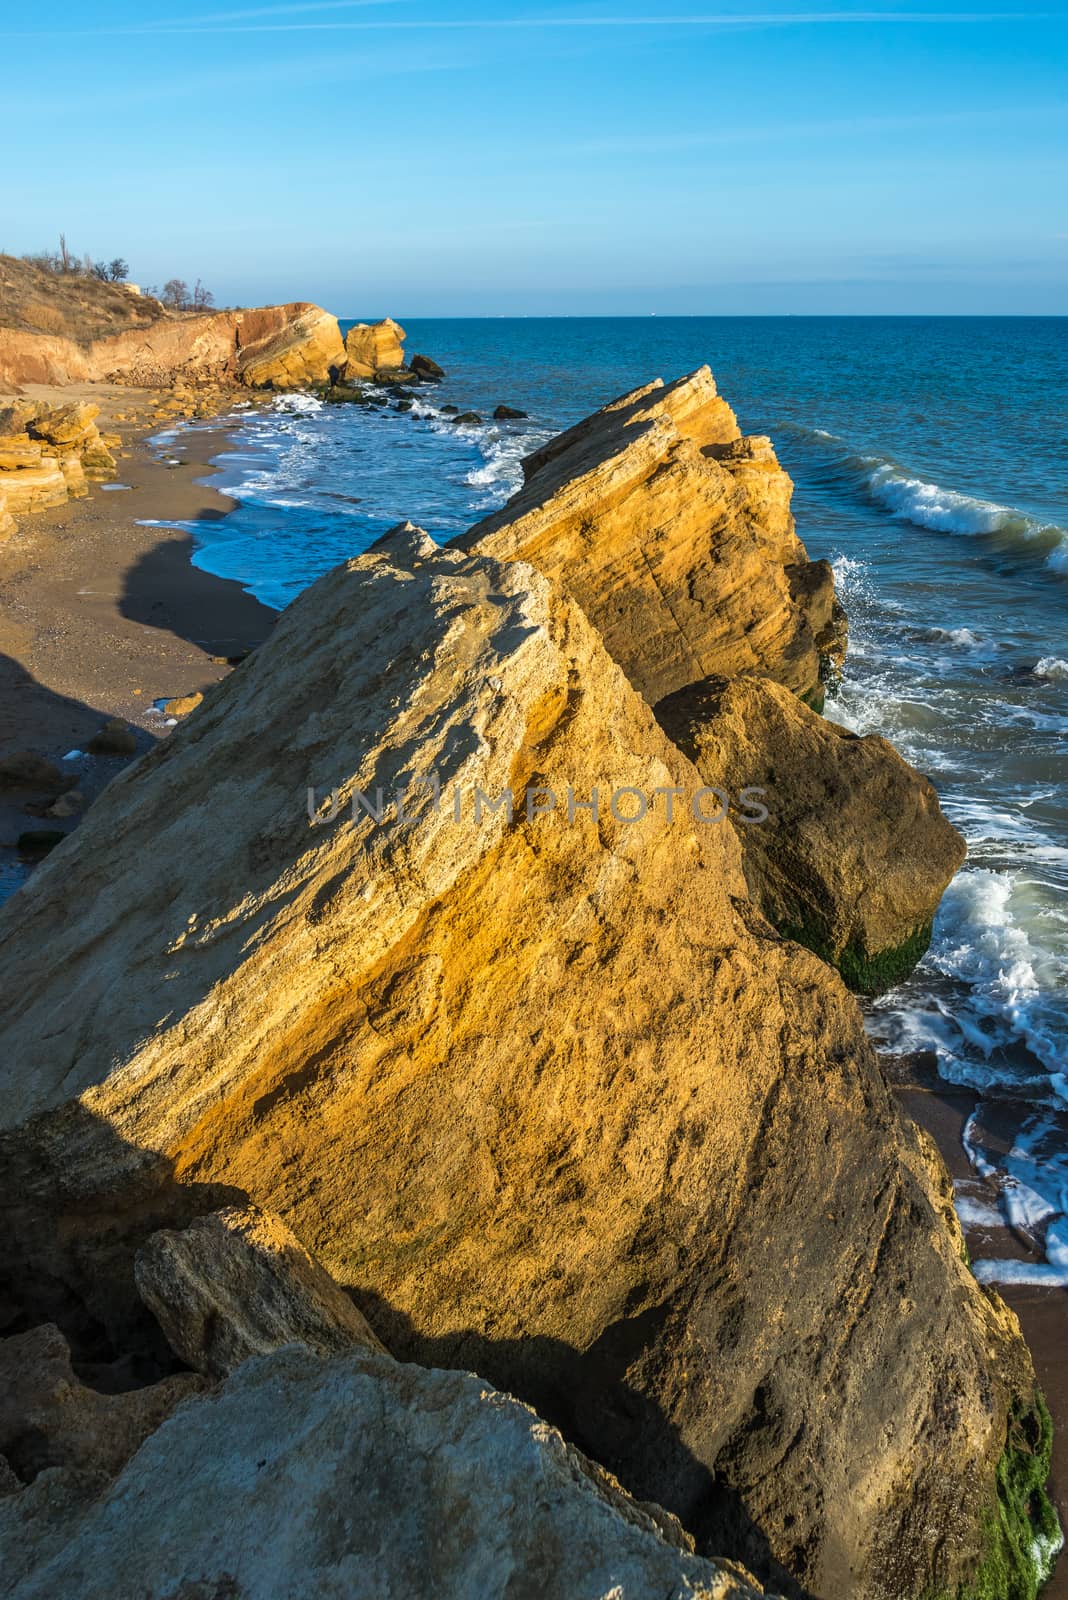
(300, 351)
(35, 488)
(372, 347)
(546, 1095)
(356, 1477)
(239, 1283)
(675, 536)
(855, 854)
(67, 429)
(70, 433)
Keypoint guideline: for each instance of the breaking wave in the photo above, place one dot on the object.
(885, 482)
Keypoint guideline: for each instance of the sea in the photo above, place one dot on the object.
(930, 463)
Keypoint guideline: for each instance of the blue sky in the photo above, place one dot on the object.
(477, 157)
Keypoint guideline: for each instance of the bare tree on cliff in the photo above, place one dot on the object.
(202, 298)
(176, 294)
(118, 271)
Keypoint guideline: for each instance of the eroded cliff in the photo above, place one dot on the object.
(275, 347)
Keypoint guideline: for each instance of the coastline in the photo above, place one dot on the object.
(942, 1111)
(101, 616)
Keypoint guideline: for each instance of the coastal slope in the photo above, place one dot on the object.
(72, 328)
(541, 1088)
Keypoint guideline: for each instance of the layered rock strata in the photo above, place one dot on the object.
(674, 534)
(538, 1085)
(48, 454)
(273, 347)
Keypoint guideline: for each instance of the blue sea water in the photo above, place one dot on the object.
(930, 458)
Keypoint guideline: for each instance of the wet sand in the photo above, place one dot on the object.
(1043, 1313)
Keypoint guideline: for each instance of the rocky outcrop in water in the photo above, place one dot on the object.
(856, 853)
(373, 347)
(674, 534)
(538, 1084)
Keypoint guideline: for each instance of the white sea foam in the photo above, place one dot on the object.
(852, 578)
(1032, 1181)
(931, 505)
(1050, 667)
(501, 473)
(975, 1213)
(297, 404)
(982, 939)
(962, 638)
(1049, 1274)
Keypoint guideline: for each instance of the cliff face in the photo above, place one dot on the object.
(277, 347)
(544, 1092)
(674, 534)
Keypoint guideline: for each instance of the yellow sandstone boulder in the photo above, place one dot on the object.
(674, 534)
(372, 347)
(537, 1084)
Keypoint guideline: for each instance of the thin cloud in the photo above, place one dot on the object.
(216, 23)
(667, 144)
(256, 12)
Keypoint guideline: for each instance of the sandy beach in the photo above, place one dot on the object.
(101, 616)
